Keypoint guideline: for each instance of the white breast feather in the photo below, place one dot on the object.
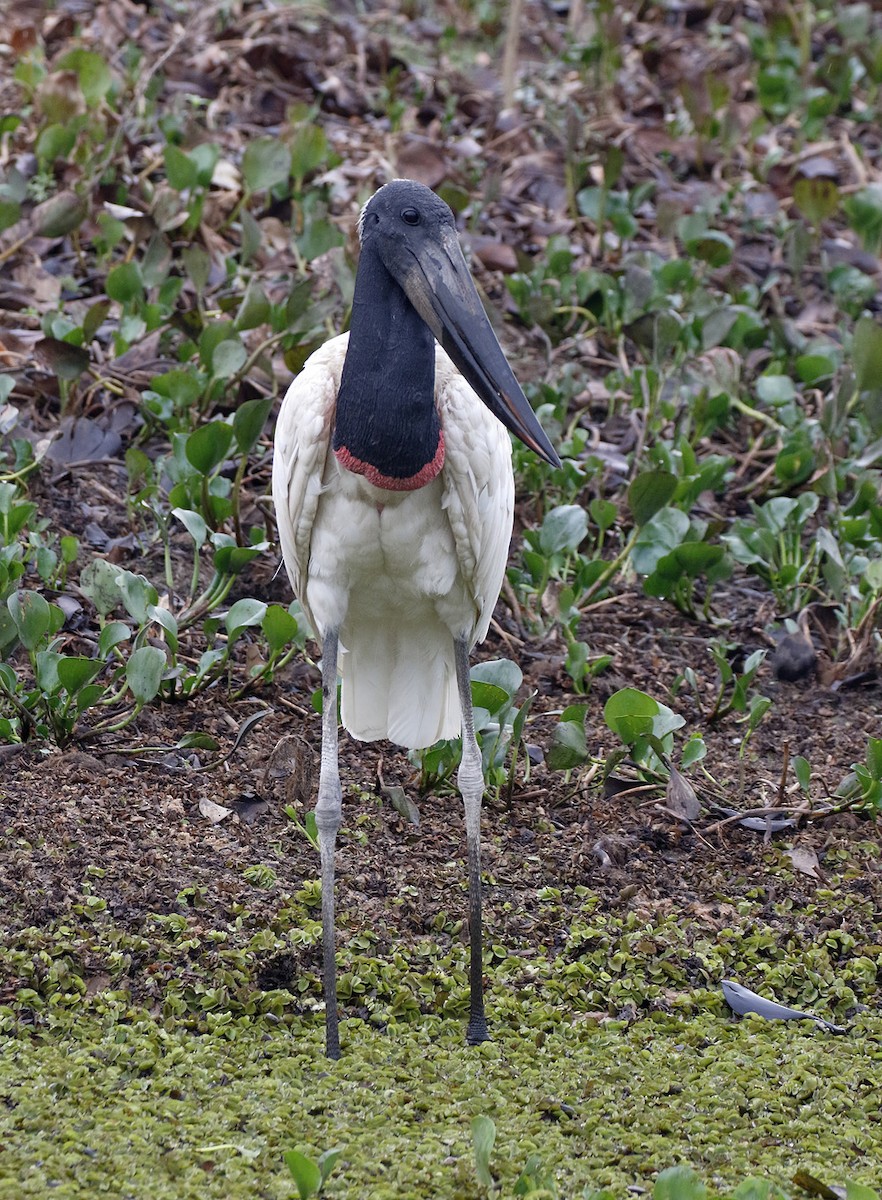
(403, 574)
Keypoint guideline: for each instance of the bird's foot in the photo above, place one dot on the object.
(477, 1031)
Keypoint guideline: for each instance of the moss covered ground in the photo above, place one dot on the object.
(116, 1103)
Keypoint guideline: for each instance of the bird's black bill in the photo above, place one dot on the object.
(438, 284)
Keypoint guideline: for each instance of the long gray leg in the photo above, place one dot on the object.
(328, 814)
(471, 787)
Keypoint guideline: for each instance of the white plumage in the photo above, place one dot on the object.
(401, 574)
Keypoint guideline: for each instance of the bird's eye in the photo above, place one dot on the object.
(410, 216)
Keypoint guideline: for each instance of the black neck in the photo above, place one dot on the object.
(386, 415)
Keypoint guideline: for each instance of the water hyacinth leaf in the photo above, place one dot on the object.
(137, 594)
(499, 671)
(796, 460)
(209, 659)
(254, 309)
(30, 612)
(265, 163)
(874, 757)
(99, 583)
(632, 714)
(817, 364)
(489, 697)
(657, 538)
(168, 622)
(55, 141)
(194, 523)
(180, 170)
(93, 73)
(124, 283)
(279, 627)
(60, 215)
(111, 635)
(694, 558)
(817, 198)
(197, 741)
(776, 390)
(144, 672)
(563, 529)
(197, 264)
(603, 513)
(535, 1180)
(46, 671)
(759, 706)
(694, 751)
(244, 612)
(17, 515)
(520, 721)
(252, 236)
(319, 236)
(309, 150)
(328, 1160)
(10, 214)
(864, 210)
(713, 247)
(649, 493)
(306, 1174)
(859, 1191)
(308, 827)
(205, 156)
(230, 560)
(157, 260)
(207, 446)
(228, 359)
(483, 1137)
(569, 746)
(867, 354)
(679, 1183)
(402, 803)
(680, 796)
(802, 769)
(249, 421)
(87, 696)
(75, 672)
(182, 388)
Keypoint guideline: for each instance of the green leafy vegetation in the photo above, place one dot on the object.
(676, 221)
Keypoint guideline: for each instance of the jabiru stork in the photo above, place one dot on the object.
(394, 494)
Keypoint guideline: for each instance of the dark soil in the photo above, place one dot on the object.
(137, 818)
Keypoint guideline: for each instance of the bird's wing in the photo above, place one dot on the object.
(478, 490)
(300, 451)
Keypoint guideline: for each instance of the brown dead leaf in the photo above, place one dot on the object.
(213, 812)
(496, 256)
(421, 159)
(805, 859)
(680, 797)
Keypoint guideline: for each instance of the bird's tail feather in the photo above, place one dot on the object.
(399, 682)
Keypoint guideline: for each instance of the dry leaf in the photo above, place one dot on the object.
(806, 860)
(213, 812)
(680, 797)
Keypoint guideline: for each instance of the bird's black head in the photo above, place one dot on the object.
(403, 213)
(412, 233)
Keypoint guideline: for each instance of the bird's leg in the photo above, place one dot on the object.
(471, 787)
(328, 813)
